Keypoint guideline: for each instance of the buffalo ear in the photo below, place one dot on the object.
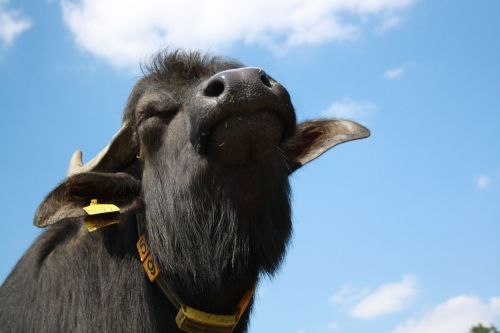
(67, 200)
(315, 137)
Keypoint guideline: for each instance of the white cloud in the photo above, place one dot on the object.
(483, 182)
(456, 315)
(12, 24)
(347, 295)
(349, 108)
(390, 23)
(124, 31)
(387, 298)
(394, 73)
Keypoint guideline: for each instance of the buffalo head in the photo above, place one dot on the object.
(203, 159)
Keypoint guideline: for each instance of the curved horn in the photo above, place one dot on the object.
(115, 156)
(75, 164)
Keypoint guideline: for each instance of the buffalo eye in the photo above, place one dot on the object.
(156, 106)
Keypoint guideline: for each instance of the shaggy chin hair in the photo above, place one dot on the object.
(207, 243)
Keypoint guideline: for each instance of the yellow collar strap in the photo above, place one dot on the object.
(189, 319)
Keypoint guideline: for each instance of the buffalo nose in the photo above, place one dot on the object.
(246, 96)
(231, 84)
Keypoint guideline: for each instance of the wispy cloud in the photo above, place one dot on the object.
(123, 32)
(390, 23)
(348, 295)
(12, 24)
(483, 182)
(388, 298)
(350, 109)
(456, 315)
(394, 73)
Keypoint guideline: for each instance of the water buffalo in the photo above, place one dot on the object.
(190, 203)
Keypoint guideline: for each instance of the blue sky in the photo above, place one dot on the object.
(398, 233)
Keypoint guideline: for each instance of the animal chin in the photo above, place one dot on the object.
(245, 138)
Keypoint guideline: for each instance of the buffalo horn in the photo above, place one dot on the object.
(114, 157)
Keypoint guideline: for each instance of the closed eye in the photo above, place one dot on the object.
(165, 113)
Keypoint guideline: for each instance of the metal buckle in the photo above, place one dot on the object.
(194, 321)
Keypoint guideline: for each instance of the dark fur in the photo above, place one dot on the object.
(212, 230)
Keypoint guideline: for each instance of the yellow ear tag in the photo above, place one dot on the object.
(96, 208)
(100, 215)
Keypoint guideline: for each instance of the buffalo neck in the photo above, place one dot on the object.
(211, 239)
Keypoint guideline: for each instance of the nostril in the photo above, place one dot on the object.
(214, 88)
(265, 79)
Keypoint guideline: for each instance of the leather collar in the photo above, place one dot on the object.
(189, 319)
